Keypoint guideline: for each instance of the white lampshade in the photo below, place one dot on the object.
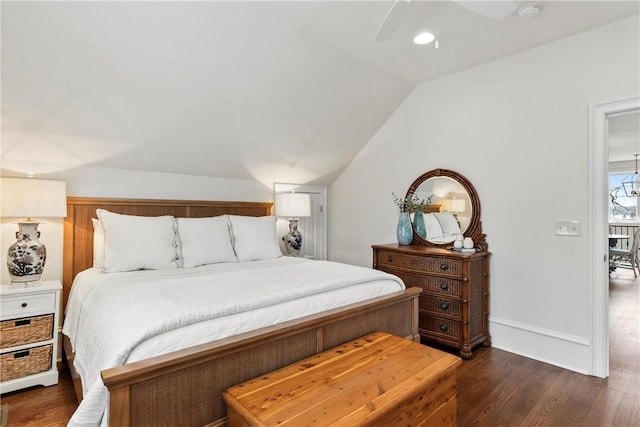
(456, 205)
(33, 198)
(293, 205)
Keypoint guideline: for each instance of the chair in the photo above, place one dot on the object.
(631, 256)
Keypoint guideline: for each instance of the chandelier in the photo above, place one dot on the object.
(631, 184)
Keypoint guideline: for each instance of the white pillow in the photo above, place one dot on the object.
(138, 242)
(464, 222)
(434, 230)
(255, 237)
(448, 223)
(205, 241)
(98, 243)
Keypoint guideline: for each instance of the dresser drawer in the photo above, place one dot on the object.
(433, 285)
(26, 330)
(23, 305)
(441, 306)
(22, 363)
(440, 326)
(427, 264)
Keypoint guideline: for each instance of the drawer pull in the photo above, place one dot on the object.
(23, 322)
(444, 306)
(389, 258)
(20, 354)
(23, 305)
(443, 328)
(444, 267)
(444, 286)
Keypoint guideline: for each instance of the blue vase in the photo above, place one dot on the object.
(405, 231)
(418, 224)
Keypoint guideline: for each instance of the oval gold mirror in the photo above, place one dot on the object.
(452, 208)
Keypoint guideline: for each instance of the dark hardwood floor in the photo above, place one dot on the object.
(498, 388)
(42, 406)
(495, 388)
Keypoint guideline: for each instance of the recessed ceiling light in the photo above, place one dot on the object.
(424, 38)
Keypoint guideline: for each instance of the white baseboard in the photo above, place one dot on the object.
(548, 346)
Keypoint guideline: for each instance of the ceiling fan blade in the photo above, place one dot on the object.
(392, 21)
(497, 10)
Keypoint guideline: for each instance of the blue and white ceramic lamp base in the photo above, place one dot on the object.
(26, 257)
(293, 239)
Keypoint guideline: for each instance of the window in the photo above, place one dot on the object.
(621, 207)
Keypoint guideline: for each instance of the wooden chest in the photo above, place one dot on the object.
(454, 303)
(376, 380)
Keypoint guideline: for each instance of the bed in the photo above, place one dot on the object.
(184, 386)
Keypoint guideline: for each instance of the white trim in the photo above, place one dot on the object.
(540, 331)
(563, 350)
(598, 217)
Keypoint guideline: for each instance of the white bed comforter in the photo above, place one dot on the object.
(175, 309)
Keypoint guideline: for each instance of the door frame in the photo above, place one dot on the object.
(598, 217)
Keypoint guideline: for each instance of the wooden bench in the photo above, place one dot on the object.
(376, 380)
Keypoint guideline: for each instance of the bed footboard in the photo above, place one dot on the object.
(185, 387)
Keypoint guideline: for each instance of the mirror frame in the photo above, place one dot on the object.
(474, 230)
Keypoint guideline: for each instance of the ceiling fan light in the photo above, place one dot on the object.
(424, 38)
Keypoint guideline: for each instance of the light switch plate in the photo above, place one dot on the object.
(568, 228)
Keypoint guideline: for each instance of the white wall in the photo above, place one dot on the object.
(517, 128)
(101, 182)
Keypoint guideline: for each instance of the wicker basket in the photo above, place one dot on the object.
(22, 363)
(26, 330)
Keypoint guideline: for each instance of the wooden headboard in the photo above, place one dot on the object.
(78, 230)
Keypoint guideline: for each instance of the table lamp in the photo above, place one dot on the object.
(293, 205)
(456, 206)
(30, 198)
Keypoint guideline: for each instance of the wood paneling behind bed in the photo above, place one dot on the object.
(78, 230)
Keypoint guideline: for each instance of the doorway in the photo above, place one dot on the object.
(314, 227)
(598, 225)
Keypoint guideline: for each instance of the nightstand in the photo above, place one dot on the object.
(29, 317)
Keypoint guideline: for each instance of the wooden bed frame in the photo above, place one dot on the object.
(185, 387)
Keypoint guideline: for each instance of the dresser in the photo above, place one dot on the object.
(454, 303)
(29, 318)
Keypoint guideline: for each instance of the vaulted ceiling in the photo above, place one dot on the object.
(273, 91)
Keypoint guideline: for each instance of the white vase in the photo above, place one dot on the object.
(467, 243)
(457, 244)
